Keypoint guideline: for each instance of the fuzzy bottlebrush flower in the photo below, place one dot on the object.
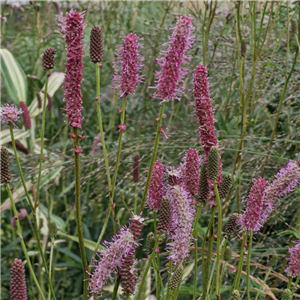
(128, 65)
(204, 112)
(181, 225)
(48, 60)
(9, 113)
(251, 219)
(26, 115)
(293, 269)
(112, 258)
(191, 171)
(18, 281)
(72, 27)
(155, 192)
(286, 180)
(170, 78)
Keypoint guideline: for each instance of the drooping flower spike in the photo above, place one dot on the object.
(72, 27)
(9, 113)
(128, 65)
(169, 79)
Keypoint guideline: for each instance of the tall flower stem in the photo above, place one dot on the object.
(33, 208)
(195, 235)
(99, 116)
(296, 284)
(50, 264)
(42, 138)
(154, 153)
(290, 282)
(116, 287)
(19, 232)
(261, 287)
(248, 264)
(119, 146)
(146, 270)
(240, 266)
(78, 214)
(219, 233)
(206, 264)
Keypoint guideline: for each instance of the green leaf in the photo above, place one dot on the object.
(18, 134)
(14, 77)
(55, 81)
(87, 243)
(276, 67)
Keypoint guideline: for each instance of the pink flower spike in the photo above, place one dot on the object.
(72, 27)
(251, 219)
(26, 115)
(128, 65)
(9, 113)
(204, 112)
(122, 127)
(155, 191)
(293, 269)
(169, 80)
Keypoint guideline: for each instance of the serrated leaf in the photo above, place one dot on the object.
(55, 81)
(14, 77)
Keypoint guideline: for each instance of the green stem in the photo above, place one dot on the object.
(154, 153)
(119, 146)
(19, 232)
(248, 264)
(147, 269)
(78, 215)
(196, 248)
(116, 287)
(266, 277)
(290, 282)
(136, 198)
(169, 276)
(50, 264)
(296, 284)
(42, 138)
(240, 266)
(219, 233)
(33, 208)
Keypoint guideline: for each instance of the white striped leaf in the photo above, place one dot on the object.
(18, 134)
(14, 77)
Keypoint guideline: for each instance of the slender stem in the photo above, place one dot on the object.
(154, 153)
(136, 198)
(219, 233)
(146, 270)
(240, 266)
(266, 277)
(19, 232)
(119, 146)
(290, 282)
(248, 264)
(195, 235)
(33, 208)
(116, 287)
(296, 284)
(42, 138)
(50, 264)
(78, 214)
(169, 276)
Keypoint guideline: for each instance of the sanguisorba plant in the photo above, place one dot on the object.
(174, 195)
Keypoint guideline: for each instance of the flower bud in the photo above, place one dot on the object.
(231, 226)
(287, 295)
(52, 229)
(165, 216)
(225, 186)
(235, 295)
(150, 242)
(18, 281)
(227, 253)
(96, 45)
(176, 278)
(5, 168)
(213, 163)
(203, 190)
(48, 58)
(273, 261)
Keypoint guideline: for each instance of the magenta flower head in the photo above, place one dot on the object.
(9, 113)
(128, 65)
(251, 219)
(293, 269)
(17, 281)
(155, 192)
(72, 27)
(191, 171)
(170, 78)
(286, 180)
(112, 258)
(181, 225)
(204, 112)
